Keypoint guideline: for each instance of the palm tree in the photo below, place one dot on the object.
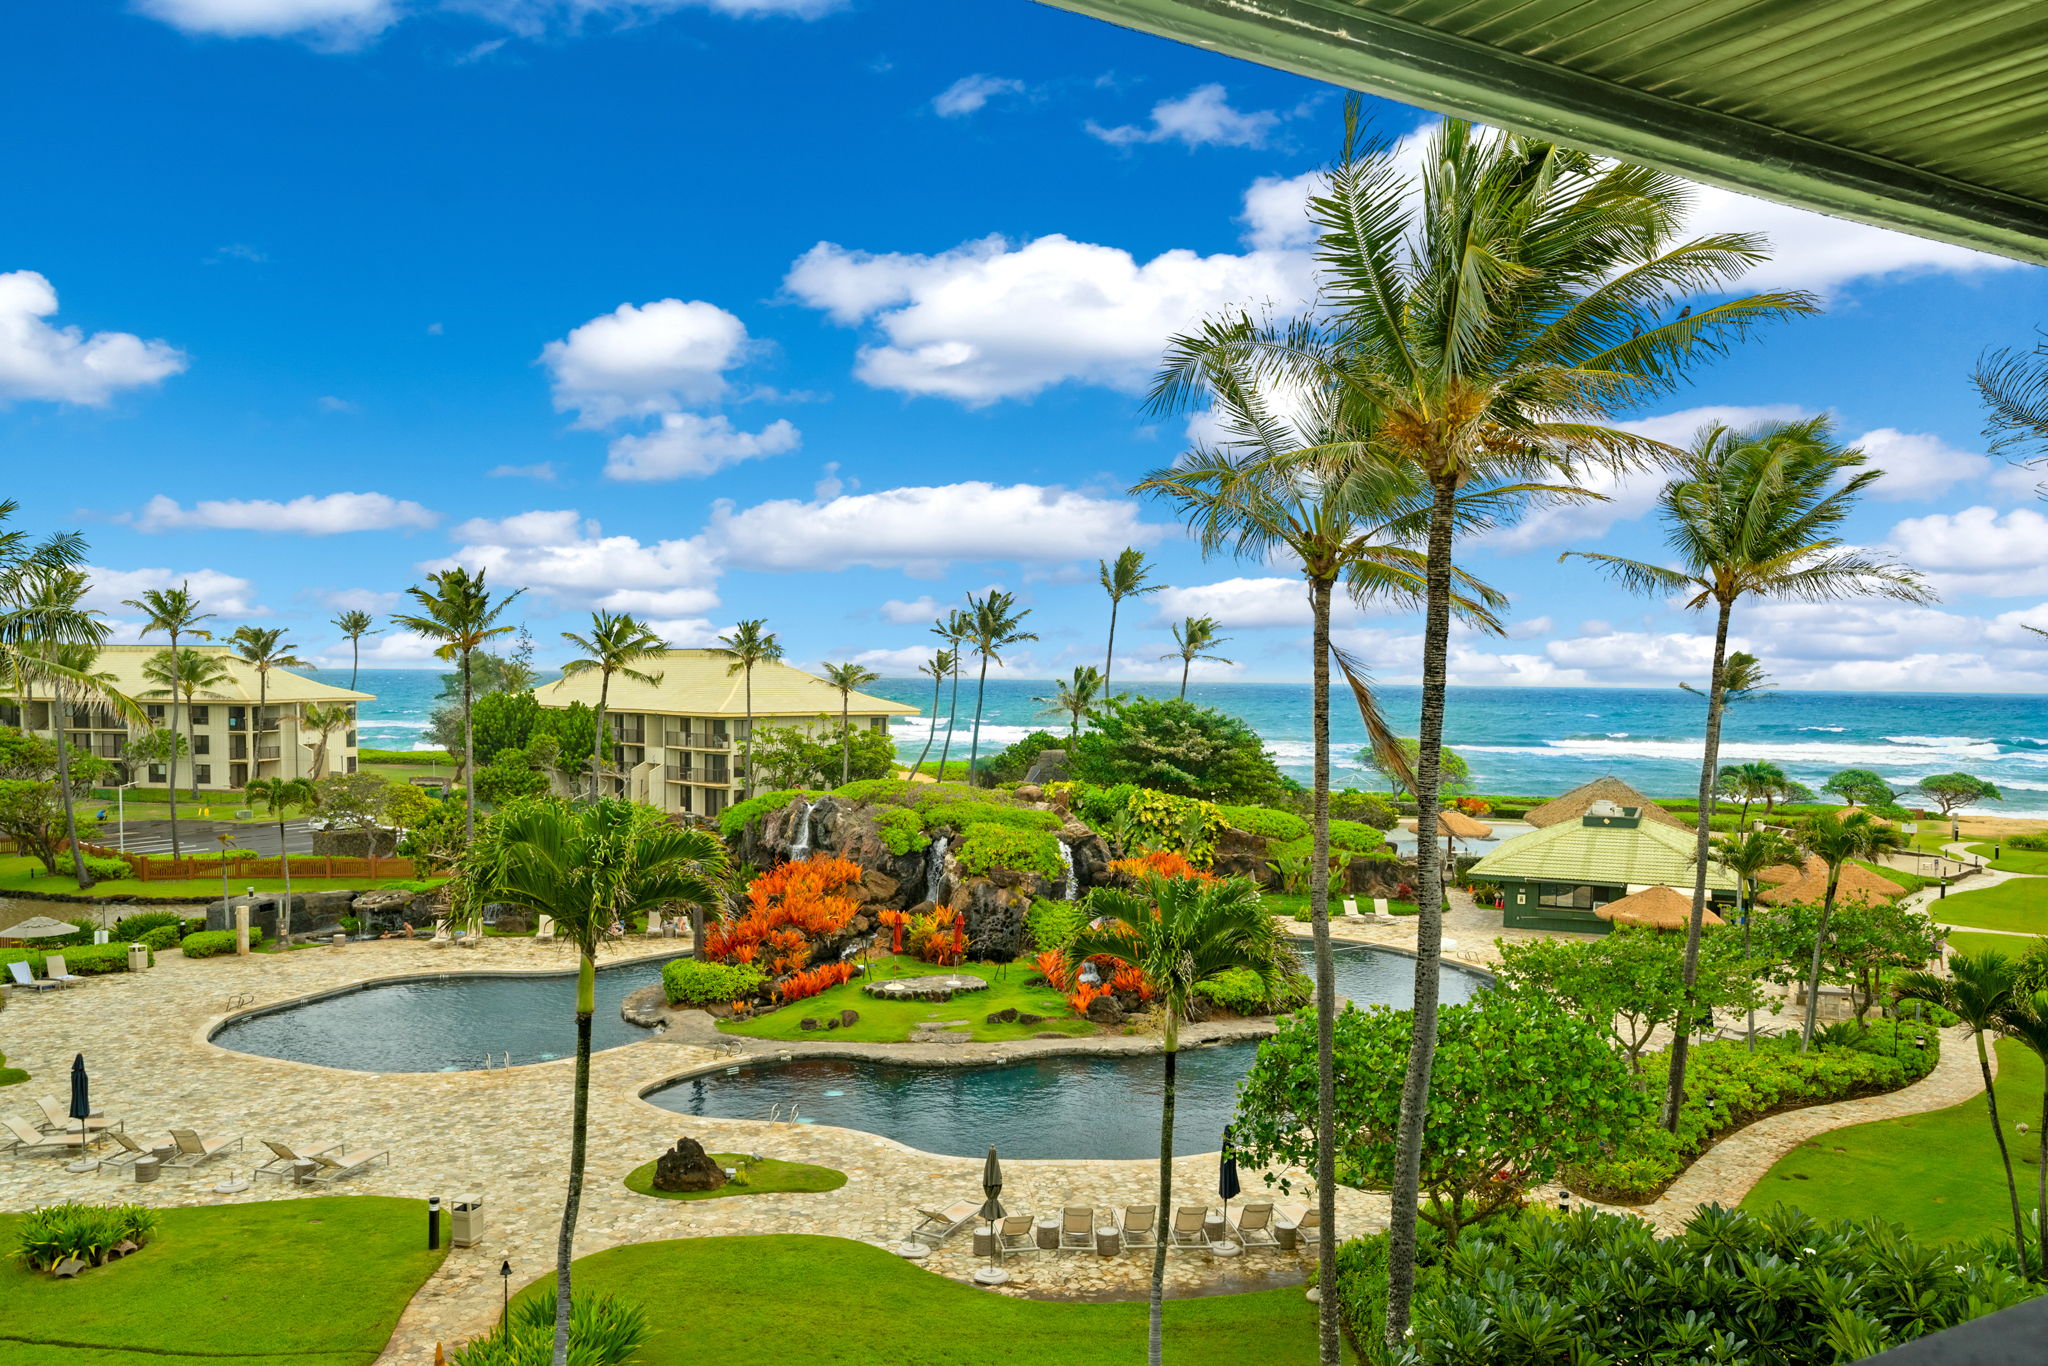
(1760, 781)
(1754, 514)
(1834, 839)
(354, 625)
(2014, 387)
(847, 679)
(1743, 676)
(616, 643)
(1748, 854)
(279, 796)
(1124, 578)
(747, 646)
(591, 868)
(1179, 932)
(323, 722)
(264, 648)
(1074, 698)
(956, 628)
(936, 668)
(175, 612)
(998, 624)
(1192, 640)
(458, 611)
(1978, 991)
(184, 674)
(2025, 1018)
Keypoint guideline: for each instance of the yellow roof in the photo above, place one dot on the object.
(697, 683)
(125, 663)
(1574, 852)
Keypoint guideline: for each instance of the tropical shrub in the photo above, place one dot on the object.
(1158, 863)
(603, 1331)
(902, 831)
(937, 936)
(740, 815)
(792, 756)
(1011, 764)
(687, 982)
(47, 1235)
(984, 848)
(161, 938)
(1175, 746)
(10, 1076)
(1235, 989)
(2033, 843)
(1053, 924)
(1265, 822)
(962, 814)
(875, 789)
(213, 943)
(87, 960)
(789, 909)
(106, 869)
(810, 981)
(131, 928)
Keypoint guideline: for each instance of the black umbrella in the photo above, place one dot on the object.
(992, 1186)
(81, 1102)
(1226, 1178)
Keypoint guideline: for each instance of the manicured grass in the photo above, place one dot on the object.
(1937, 1173)
(2011, 860)
(10, 1076)
(1295, 905)
(741, 1301)
(2020, 905)
(385, 758)
(1014, 984)
(766, 1177)
(275, 1283)
(26, 876)
(2011, 945)
(1912, 882)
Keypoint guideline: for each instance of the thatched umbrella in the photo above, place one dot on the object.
(1575, 803)
(1856, 886)
(1656, 908)
(37, 927)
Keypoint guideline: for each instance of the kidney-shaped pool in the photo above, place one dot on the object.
(1058, 1107)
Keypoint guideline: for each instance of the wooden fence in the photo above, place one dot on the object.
(162, 868)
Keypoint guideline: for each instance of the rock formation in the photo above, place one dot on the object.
(687, 1167)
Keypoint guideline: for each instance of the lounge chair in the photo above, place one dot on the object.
(1350, 905)
(23, 1140)
(58, 971)
(935, 1226)
(442, 939)
(1140, 1227)
(1255, 1225)
(18, 970)
(1077, 1228)
(284, 1159)
(545, 933)
(1299, 1223)
(339, 1168)
(56, 1120)
(1190, 1226)
(126, 1154)
(1017, 1233)
(194, 1151)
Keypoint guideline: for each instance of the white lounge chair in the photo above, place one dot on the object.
(442, 938)
(1350, 905)
(1298, 1223)
(18, 970)
(58, 971)
(284, 1159)
(1140, 1226)
(1017, 1234)
(1190, 1226)
(935, 1226)
(544, 933)
(194, 1151)
(23, 1140)
(56, 1118)
(1254, 1226)
(335, 1167)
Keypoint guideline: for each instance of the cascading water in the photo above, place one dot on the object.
(1071, 888)
(934, 868)
(800, 847)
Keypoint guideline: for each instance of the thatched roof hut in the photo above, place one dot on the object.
(1457, 824)
(1656, 908)
(1574, 804)
(1857, 885)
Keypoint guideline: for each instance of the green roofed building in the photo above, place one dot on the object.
(1556, 877)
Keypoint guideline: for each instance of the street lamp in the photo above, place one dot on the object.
(505, 1279)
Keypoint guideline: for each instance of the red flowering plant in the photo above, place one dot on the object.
(791, 910)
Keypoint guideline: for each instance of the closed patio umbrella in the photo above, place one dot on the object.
(1227, 1184)
(81, 1106)
(992, 1186)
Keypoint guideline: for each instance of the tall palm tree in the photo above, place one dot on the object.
(1749, 784)
(1978, 991)
(279, 796)
(936, 668)
(846, 680)
(1179, 932)
(956, 628)
(1834, 839)
(323, 722)
(175, 612)
(1193, 639)
(457, 609)
(354, 625)
(747, 646)
(2025, 1018)
(1743, 676)
(1125, 577)
(264, 648)
(1497, 313)
(617, 642)
(590, 868)
(2014, 387)
(1748, 854)
(1074, 698)
(183, 675)
(998, 624)
(1755, 514)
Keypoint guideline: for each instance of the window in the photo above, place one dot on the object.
(201, 716)
(1564, 896)
(202, 744)
(202, 773)
(351, 763)
(156, 773)
(155, 711)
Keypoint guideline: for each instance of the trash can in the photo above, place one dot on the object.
(138, 958)
(146, 1169)
(465, 1221)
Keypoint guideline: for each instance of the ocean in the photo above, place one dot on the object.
(1526, 741)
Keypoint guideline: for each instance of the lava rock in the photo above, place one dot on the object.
(848, 1018)
(1007, 1015)
(687, 1167)
(1104, 1010)
(1025, 1017)
(807, 1023)
(831, 1022)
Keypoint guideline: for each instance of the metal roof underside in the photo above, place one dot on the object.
(1930, 116)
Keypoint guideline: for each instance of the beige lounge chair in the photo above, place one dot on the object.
(1350, 905)
(1299, 1222)
(284, 1159)
(1255, 1225)
(23, 1140)
(1190, 1226)
(58, 971)
(194, 1151)
(935, 1226)
(1077, 1228)
(442, 938)
(545, 932)
(1017, 1234)
(55, 1120)
(1140, 1226)
(340, 1167)
(126, 1154)
(18, 970)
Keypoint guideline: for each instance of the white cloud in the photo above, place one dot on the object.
(63, 364)
(326, 515)
(689, 445)
(1240, 602)
(902, 663)
(921, 530)
(645, 358)
(968, 94)
(1813, 251)
(558, 553)
(223, 594)
(334, 22)
(687, 633)
(2021, 481)
(1201, 118)
(359, 600)
(915, 612)
(387, 650)
(1148, 668)
(1918, 465)
(330, 403)
(544, 471)
(1978, 550)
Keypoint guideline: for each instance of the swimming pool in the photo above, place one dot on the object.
(1060, 1107)
(443, 1024)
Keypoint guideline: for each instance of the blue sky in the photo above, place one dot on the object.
(827, 313)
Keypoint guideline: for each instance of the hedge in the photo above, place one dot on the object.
(1265, 822)
(130, 928)
(984, 848)
(687, 982)
(213, 943)
(10, 1076)
(875, 789)
(162, 937)
(962, 815)
(87, 960)
(740, 815)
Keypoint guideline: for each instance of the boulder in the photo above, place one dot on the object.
(877, 888)
(849, 1018)
(1007, 1015)
(1240, 853)
(831, 1022)
(1030, 792)
(1104, 1010)
(996, 928)
(1049, 767)
(687, 1167)
(1025, 1017)
(807, 1023)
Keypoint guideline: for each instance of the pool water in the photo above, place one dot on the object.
(1064, 1107)
(444, 1024)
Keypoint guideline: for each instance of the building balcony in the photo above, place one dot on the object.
(269, 751)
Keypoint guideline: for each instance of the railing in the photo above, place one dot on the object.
(269, 751)
(158, 868)
(688, 739)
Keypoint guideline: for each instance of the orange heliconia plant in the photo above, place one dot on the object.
(1159, 863)
(1130, 979)
(811, 981)
(788, 908)
(1053, 964)
(1085, 995)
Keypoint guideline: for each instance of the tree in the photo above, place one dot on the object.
(1175, 746)
(1074, 698)
(2014, 387)
(1750, 783)
(2025, 1018)
(591, 869)
(747, 646)
(936, 668)
(490, 675)
(1179, 933)
(25, 757)
(279, 796)
(846, 680)
(1978, 992)
(793, 757)
(323, 722)
(1193, 638)
(1742, 678)
(1125, 578)
(457, 609)
(1525, 1088)
(32, 815)
(1952, 791)
(263, 649)
(355, 801)
(1834, 840)
(1748, 854)
(616, 643)
(175, 612)
(956, 628)
(512, 773)
(183, 675)
(1861, 787)
(1454, 774)
(354, 625)
(998, 623)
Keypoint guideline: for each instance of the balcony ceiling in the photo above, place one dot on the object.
(1929, 116)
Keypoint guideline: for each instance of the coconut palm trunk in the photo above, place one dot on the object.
(952, 715)
(980, 690)
(579, 1149)
(2012, 1189)
(171, 763)
(1155, 1330)
(747, 740)
(845, 737)
(1109, 650)
(1710, 764)
(1820, 939)
(468, 753)
(78, 868)
(1326, 980)
(604, 694)
(932, 731)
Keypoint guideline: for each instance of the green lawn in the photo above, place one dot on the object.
(1015, 984)
(1937, 1173)
(1911, 882)
(26, 876)
(2012, 860)
(769, 1176)
(2011, 945)
(1295, 904)
(2020, 905)
(741, 1302)
(276, 1283)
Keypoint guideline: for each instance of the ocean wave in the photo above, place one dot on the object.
(1848, 754)
(393, 725)
(1835, 730)
(1617, 735)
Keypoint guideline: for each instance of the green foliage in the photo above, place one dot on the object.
(877, 790)
(1246, 992)
(1953, 790)
(1866, 942)
(959, 815)
(161, 938)
(10, 1076)
(511, 774)
(1165, 820)
(404, 756)
(792, 756)
(106, 868)
(902, 831)
(1010, 765)
(1265, 822)
(32, 815)
(985, 847)
(436, 839)
(87, 960)
(688, 982)
(1175, 746)
(131, 928)
(1456, 778)
(2032, 843)
(213, 943)
(1861, 787)
(740, 815)
(1053, 924)
(25, 757)
(603, 1331)
(48, 1234)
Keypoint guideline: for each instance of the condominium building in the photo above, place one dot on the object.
(232, 739)
(679, 740)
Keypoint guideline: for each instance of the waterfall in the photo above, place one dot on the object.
(1071, 889)
(934, 868)
(800, 847)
